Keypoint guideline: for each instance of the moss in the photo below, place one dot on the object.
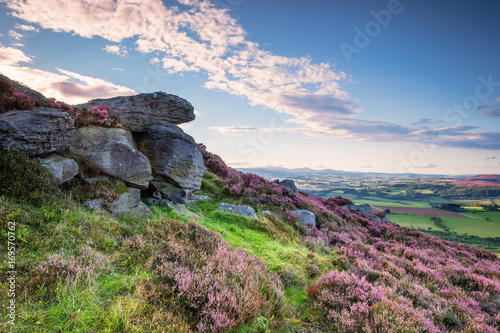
(22, 178)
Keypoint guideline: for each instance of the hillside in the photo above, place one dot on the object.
(174, 261)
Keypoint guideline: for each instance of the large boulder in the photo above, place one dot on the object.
(63, 169)
(306, 217)
(238, 210)
(113, 151)
(141, 111)
(174, 156)
(37, 132)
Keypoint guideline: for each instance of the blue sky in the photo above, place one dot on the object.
(386, 86)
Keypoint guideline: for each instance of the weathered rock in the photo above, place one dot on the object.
(170, 192)
(288, 183)
(86, 139)
(238, 210)
(305, 216)
(363, 209)
(367, 211)
(94, 204)
(175, 156)
(37, 132)
(63, 169)
(112, 151)
(129, 203)
(141, 111)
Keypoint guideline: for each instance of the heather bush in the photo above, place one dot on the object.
(221, 287)
(100, 115)
(344, 300)
(36, 186)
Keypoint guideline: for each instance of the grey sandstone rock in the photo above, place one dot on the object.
(175, 156)
(129, 203)
(170, 192)
(288, 183)
(37, 132)
(94, 204)
(305, 216)
(63, 169)
(238, 209)
(141, 111)
(113, 151)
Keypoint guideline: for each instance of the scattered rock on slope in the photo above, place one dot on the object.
(141, 111)
(305, 216)
(238, 209)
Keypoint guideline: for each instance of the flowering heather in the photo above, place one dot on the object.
(395, 279)
(100, 115)
(222, 287)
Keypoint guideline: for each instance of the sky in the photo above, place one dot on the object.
(355, 85)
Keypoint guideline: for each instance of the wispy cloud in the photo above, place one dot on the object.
(66, 86)
(426, 166)
(203, 38)
(15, 35)
(118, 69)
(26, 27)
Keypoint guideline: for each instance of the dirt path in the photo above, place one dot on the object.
(419, 211)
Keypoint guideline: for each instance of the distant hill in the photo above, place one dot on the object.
(280, 172)
(480, 180)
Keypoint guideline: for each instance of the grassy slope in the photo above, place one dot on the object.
(110, 300)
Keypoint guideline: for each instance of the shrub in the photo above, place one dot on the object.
(222, 287)
(22, 178)
(100, 115)
(345, 300)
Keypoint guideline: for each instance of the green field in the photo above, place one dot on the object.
(477, 225)
(482, 229)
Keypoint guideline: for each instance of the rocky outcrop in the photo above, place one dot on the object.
(238, 210)
(129, 203)
(174, 156)
(141, 111)
(306, 217)
(288, 183)
(367, 211)
(63, 169)
(362, 209)
(113, 151)
(37, 132)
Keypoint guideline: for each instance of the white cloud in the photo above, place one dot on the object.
(14, 34)
(116, 49)
(66, 86)
(208, 40)
(11, 56)
(118, 69)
